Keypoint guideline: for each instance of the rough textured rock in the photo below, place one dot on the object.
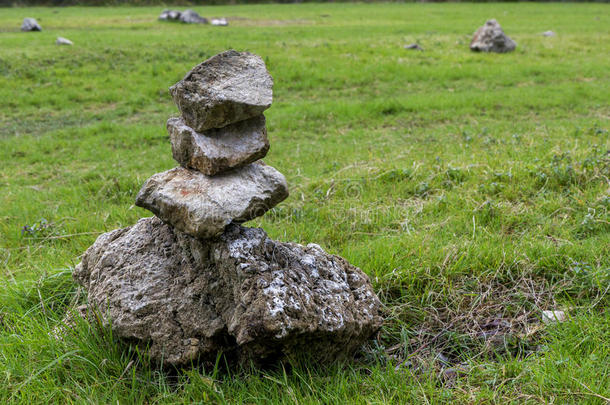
(218, 150)
(491, 38)
(63, 41)
(227, 88)
(191, 17)
(30, 24)
(255, 298)
(202, 206)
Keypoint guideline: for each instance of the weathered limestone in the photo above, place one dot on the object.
(30, 24)
(255, 298)
(227, 88)
(218, 150)
(202, 206)
(491, 38)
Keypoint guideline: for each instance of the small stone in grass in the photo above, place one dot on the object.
(414, 47)
(63, 41)
(553, 316)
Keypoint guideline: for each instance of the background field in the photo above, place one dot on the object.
(472, 188)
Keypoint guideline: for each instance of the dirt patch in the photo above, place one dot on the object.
(478, 318)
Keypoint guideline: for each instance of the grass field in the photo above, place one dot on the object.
(472, 188)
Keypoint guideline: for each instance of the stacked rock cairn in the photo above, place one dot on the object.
(192, 282)
(491, 38)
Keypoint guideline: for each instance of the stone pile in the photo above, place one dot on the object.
(491, 38)
(186, 16)
(192, 282)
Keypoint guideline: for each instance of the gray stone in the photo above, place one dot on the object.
(221, 22)
(491, 38)
(254, 298)
(414, 47)
(202, 206)
(548, 34)
(191, 17)
(30, 24)
(227, 88)
(63, 41)
(218, 150)
(169, 15)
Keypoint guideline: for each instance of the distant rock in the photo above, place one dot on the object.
(218, 150)
(227, 88)
(63, 41)
(491, 38)
(548, 34)
(245, 295)
(191, 17)
(222, 22)
(203, 206)
(186, 16)
(169, 15)
(414, 47)
(30, 24)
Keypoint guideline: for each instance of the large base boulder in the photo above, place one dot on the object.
(491, 38)
(249, 296)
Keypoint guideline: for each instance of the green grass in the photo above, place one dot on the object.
(472, 188)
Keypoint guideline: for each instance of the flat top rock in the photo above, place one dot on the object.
(491, 38)
(218, 150)
(245, 294)
(202, 206)
(229, 87)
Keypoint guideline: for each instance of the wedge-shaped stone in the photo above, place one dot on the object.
(218, 150)
(243, 294)
(202, 206)
(229, 87)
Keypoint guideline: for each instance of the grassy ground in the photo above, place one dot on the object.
(472, 188)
